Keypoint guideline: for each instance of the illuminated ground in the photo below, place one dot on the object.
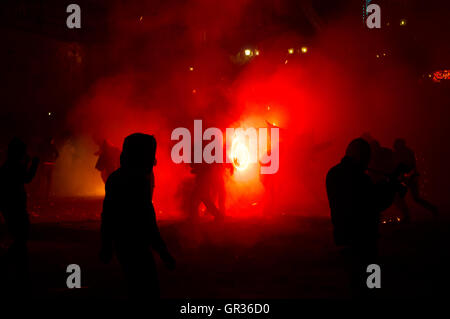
(284, 257)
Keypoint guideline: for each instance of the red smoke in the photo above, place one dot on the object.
(178, 63)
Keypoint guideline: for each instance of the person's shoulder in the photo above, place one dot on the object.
(334, 171)
(114, 178)
(335, 168)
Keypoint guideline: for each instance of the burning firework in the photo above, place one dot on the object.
(240, 155)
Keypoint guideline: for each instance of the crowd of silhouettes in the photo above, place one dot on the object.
(405, 158)
(368, 180)
(400, 161)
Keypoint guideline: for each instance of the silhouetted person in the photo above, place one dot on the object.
(128, 219)
(17, 171)
(355, 204)
(405, 157)
(209, 189)
(48, 154)
(108, 159)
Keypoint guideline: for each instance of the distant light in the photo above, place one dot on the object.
(194, 91)
(304, 49)
(256, 52)
(291, 51)
(191, 68)
(378, 56)
(268, 108)
(141, 18)
(248, 52)
(440, 75)
(384, 54)
(403, 22)
(286, 62)
(49, 113)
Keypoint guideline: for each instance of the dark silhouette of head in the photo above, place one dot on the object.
(138, 152)
(17, 150)
(359, 151)
(399, 144)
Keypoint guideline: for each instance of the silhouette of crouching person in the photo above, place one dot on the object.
(129, 225)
